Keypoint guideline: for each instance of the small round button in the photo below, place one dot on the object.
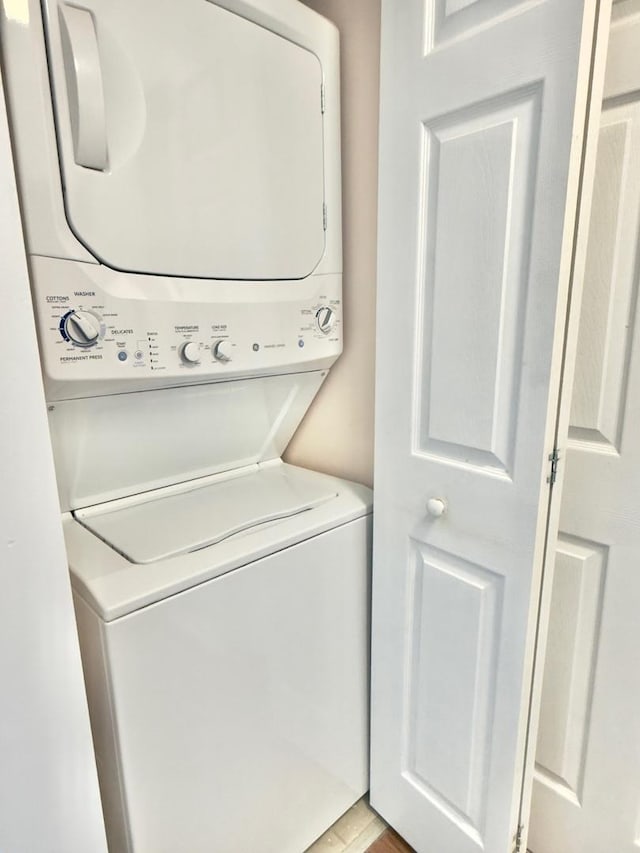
(222, 350)
(325, 318)
(190, 352)
(122, 355)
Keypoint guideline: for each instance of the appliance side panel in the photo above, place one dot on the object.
(336, 436)
(103, 725)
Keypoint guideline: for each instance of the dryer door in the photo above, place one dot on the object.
(191, 139)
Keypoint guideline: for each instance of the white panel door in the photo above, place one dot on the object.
(587, 790)
(191, 138)
(483, 115)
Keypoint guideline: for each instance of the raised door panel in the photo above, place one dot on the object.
(477, 195)
(574, 630)
(449, 734)
(449, 19)
(610, 284)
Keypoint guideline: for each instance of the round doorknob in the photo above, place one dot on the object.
(436, 507)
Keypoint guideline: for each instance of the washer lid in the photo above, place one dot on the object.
(155, 528)
(191, 139)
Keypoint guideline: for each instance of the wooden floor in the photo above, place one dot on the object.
(360, 830)
(389, 842)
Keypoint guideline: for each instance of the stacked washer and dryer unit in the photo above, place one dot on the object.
(179, 173)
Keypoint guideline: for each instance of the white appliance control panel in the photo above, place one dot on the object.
(146, 332)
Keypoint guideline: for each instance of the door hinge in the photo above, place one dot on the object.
(517, 848)
(322, 98)
(324, 216)
(554, 458)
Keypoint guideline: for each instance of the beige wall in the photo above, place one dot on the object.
(337, 433)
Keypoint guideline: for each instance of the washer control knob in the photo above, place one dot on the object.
(325, 318)
(222, 350)
(82, 328)
(190, 352)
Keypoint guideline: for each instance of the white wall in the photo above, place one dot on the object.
(337, 433)
(49, 801)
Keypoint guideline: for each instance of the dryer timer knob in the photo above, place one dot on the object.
(325, 318)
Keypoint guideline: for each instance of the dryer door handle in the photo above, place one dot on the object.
(84, 87)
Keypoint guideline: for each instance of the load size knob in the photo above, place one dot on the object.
(325, 318)
(190, 352)
(222, 350)
(81, 328)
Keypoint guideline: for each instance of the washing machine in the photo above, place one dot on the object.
(224, 641)
(178, 166)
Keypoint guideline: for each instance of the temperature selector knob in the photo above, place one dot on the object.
(222, 350)
(325, 318)
(82, 328)
(190, 352)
